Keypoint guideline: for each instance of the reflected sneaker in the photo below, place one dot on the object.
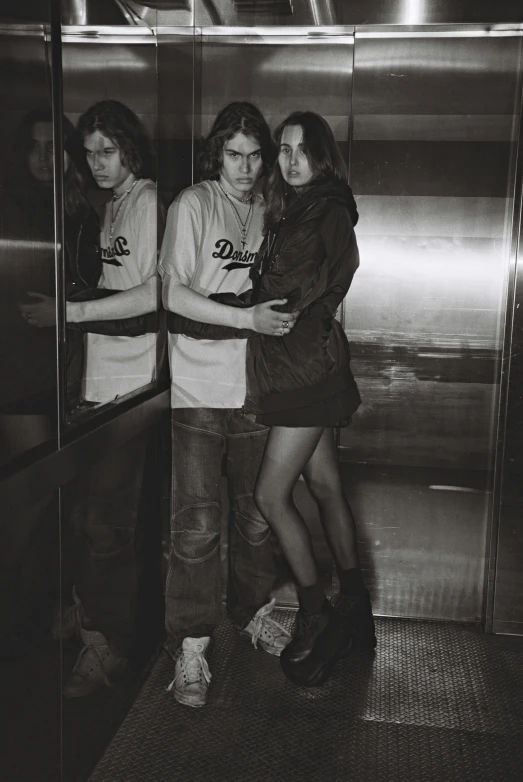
(191, 674)
(266, 631)
(67, 623)
(97, 666)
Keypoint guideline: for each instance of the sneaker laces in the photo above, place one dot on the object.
(262, 621)
(193, 666)
(100, 659)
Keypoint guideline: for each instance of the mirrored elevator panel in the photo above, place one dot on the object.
(110, 96)
(28, 362)
(179, 85)
(432, 168)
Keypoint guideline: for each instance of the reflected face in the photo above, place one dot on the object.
(294, 164)
(105, 161)
(242, 165)
(40, 157)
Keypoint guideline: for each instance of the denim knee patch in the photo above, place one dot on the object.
(249, 522)
(195, 532)
(194, 546)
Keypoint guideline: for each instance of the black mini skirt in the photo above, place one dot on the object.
(335, 412)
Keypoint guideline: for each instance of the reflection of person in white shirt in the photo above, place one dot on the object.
(120, 157)
(118, 154)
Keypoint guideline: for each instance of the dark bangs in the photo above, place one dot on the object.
(237, 117)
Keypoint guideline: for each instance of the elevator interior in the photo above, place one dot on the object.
(428, 117)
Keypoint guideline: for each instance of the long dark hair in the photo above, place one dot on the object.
(237, 117)
(322, 153)
(116, 121)
(38, 197)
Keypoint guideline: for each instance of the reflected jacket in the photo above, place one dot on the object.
(310, 260)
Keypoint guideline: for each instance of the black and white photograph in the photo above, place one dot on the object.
(261, 398)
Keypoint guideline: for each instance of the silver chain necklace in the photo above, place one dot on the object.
(231, 195)
(243, 226)
(115, 198)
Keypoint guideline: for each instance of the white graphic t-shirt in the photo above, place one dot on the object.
(202, 249)
(118, 365)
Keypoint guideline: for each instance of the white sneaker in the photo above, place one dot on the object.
(191, 674)
(265, 631)
(97, 666)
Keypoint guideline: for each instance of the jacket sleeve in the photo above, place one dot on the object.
(178, 324)
(339, 264)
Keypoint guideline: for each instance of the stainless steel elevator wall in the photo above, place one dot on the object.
(432, 168)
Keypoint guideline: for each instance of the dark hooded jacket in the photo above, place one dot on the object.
(309, 260)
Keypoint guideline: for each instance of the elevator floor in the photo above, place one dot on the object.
(437, 702)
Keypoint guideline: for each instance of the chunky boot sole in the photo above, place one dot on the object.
(290, 656)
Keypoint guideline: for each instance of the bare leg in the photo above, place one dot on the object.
(287, 452)
(322, 474)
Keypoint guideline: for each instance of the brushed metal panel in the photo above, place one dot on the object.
(310, 74)
(507, 549)
(421, 542)
(452, 74)
(178, 68)
(433, 217)
(433, 172)
(431, 168)
(396, 12)
(131, 77)
(430, 127)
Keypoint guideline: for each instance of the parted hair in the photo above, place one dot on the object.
(120, 124)
(237, 117)
(322, 153)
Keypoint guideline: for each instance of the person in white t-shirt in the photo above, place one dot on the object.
(120, 157)
(212, 236)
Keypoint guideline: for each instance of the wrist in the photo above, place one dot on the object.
(243, 318)
(74, 312)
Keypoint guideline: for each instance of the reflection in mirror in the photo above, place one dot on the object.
(111, 612)
(112, 299)
(29, 532)
(27, 354)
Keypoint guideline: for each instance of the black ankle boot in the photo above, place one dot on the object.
(350, 628)
(356, 614)
(308, 629)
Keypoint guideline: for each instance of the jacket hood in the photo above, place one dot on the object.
(312, 197)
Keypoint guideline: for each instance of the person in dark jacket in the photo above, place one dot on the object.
(301, 385)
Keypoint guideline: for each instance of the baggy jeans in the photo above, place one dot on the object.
(193, 594)
(104, 520)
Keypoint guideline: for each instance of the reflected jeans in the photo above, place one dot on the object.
(193, 593)
(104, 522)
